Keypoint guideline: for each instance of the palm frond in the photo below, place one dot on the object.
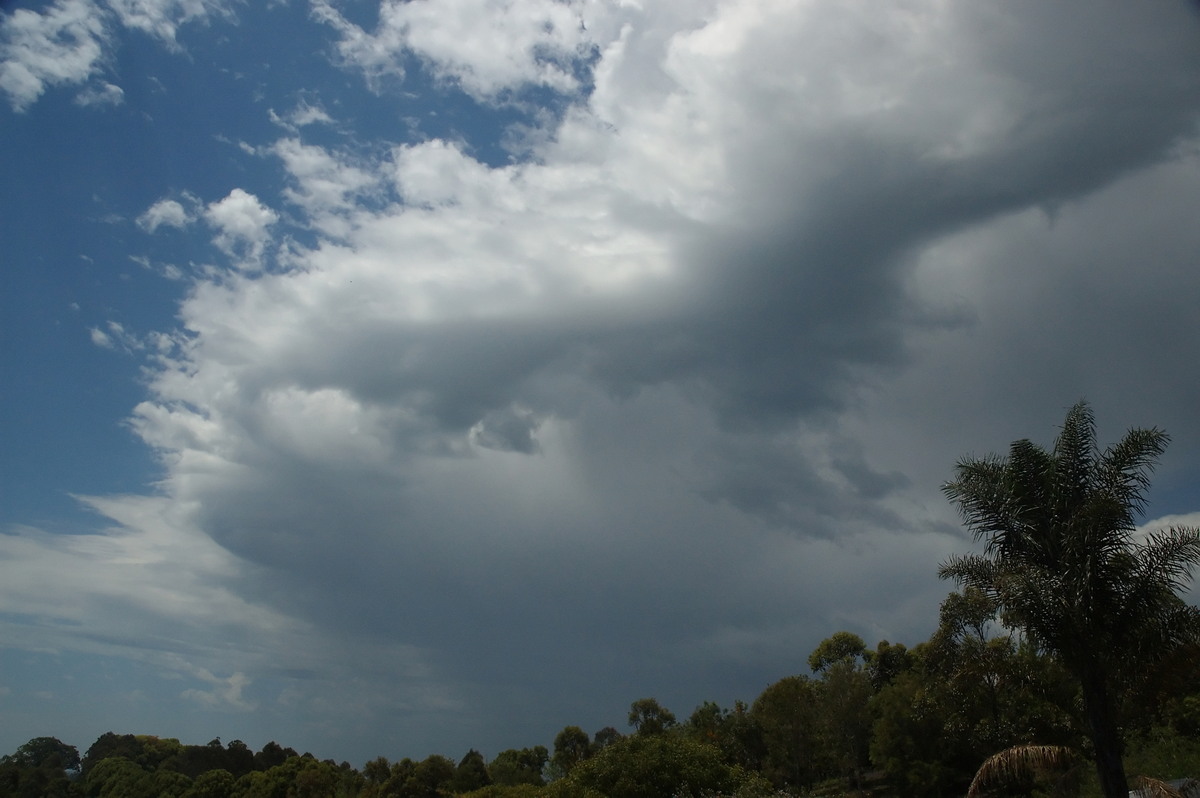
(970, 570)
(1019, 762)
(1074, 454)
(1170, 556)
(980, 494)
(1125, 468)
(1147, 787)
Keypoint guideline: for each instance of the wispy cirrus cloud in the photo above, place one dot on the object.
(163, 18)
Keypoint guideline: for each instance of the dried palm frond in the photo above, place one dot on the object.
(1022, 761)
(1147, 787)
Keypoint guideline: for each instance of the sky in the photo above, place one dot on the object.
(396, 378)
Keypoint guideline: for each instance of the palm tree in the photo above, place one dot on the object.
(1062, 560)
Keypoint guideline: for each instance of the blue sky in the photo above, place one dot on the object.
(395, 378)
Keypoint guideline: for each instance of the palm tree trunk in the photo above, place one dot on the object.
(1106, 739)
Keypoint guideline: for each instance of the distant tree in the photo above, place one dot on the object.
(300, 777)
(110, 745)
(238, 759)
(212, 784)
(1062, 561)
(844, 718)
(428, 778)
(733, 732)
(520, 766)
(605, 737)
(383, 780)
(787, 717)
(657, 765)
(118, 777)
(647, 716)
(912, 741)
(39, 769)
(49, 752)
(705, 721)
(471, 773)
(887, 662)
(169, 784)
(840, 647)
(377, 770)
(317, 779)
(571, 746)
(272, 754)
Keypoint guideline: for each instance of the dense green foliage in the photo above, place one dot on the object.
(1064, 609)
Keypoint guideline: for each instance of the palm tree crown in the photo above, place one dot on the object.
(1063, 560)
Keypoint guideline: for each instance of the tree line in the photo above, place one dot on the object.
(1065, 644)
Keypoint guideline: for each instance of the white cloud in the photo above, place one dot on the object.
(100, 338)
(487, 47)
(376, 55)
(327, 185)
(70, 42)
(168, 212)
(224, 692)
(106, 94)
(144, 576)
(1170, 522)
(302, 116)
(64, 44)
(163, 18)
(242, 223)
(116, 336)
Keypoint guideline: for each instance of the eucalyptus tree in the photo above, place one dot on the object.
(1063, 560)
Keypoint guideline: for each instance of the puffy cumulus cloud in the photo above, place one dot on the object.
(63, 44)
(657, 409)
(242, 223)
(168, 212)
(487, 47)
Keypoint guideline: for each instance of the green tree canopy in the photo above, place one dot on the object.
(49, 752)
(571, 746)
(647, 716)
(471, 773)
(1062, 561)
(519, 766)
(657, 765)
(839, 647)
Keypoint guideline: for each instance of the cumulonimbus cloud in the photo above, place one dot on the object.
(700, 361)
